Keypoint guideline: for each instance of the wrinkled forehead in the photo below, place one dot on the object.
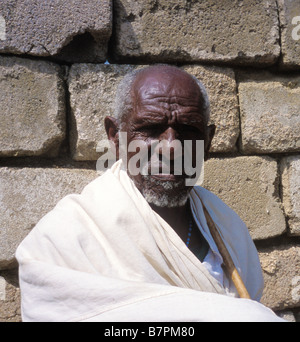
(161, 83)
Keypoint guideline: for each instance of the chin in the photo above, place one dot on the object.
(163, 201)
(165, 193)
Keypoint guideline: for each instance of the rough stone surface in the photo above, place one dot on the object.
(26, 195)
(249, 186)
(270, 118)
(44, 28)
(212, 30)
(32, 108)
(288, 316)
(290, 33)
(290, 168)
(281, 267)
(221, 86)
(10, 301)
(297, 315)
(92, 93)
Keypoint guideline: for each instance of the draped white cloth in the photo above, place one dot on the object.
(105, 255)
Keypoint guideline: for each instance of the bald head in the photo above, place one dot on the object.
(164, 80)
(163, 73)
(142, 80)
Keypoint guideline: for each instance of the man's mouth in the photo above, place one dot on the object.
(166, 174)
(166, 177)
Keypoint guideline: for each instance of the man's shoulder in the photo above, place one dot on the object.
(215, 203)
(236, 237)
(72, 211)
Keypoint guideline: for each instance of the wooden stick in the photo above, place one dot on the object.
(233, 272)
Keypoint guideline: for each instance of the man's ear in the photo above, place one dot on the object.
(210, 133)
(112, 130)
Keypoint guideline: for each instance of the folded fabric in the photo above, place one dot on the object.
(105, 255)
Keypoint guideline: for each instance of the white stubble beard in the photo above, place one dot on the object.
(171, 196)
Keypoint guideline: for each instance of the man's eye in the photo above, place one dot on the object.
(152, 129)
(188, 128)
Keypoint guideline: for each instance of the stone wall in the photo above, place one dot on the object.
(55, 90)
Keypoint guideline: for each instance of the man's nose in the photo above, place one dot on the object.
(169, 146)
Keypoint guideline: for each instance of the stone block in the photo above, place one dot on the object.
(10, 301)
(26, 195)
(73, 30)
(249, 185)
(289, 11)
(92, 93)
(269, 107)
(282, 278)
(290, 168)
(32, 108)
(221, 87)
(236, 31)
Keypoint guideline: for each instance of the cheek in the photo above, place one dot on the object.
(138, 181)
(193, 153)
(138, 156)
(138, 145)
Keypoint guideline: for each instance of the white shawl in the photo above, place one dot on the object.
(105, 255)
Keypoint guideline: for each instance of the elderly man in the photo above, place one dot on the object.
(139, 247)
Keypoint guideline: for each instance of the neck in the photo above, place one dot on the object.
(177, 217)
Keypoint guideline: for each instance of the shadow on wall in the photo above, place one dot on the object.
(82, 47)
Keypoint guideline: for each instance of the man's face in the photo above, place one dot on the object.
(168, 108)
